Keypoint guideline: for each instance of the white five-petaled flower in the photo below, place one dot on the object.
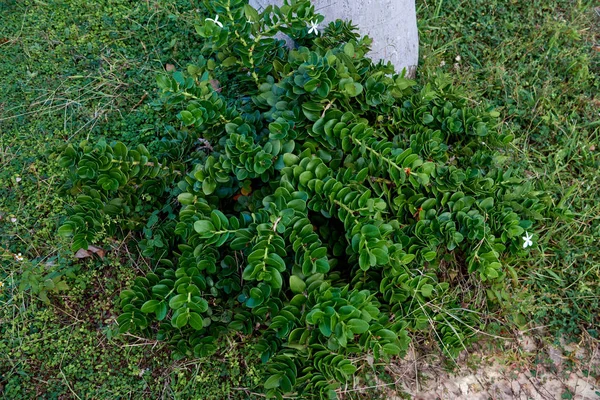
(18, 257)
(314, 27)
(13, 220)
(527, 240)
(216, 21)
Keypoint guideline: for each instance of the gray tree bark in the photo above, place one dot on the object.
(392, 24)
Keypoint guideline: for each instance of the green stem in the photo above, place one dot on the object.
(378, 154)
(257, 39)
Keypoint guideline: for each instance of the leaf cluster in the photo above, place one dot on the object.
(330, 208)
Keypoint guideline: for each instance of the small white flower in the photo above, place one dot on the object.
(314, 27)
(442, 63)
(216, 21)
(13, 219)
(527, 240)
(457, 58)
(18, 179)
(1, 284)
(18, 257)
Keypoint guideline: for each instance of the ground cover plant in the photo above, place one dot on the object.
(183, 188)
(326, 203)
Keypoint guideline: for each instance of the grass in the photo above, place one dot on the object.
(537, 62)
(75, 70)
(72, 72)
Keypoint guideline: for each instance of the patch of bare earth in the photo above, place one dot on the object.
(523, 368)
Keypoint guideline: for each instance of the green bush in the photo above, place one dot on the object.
(327, 206)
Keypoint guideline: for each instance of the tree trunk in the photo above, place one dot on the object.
(392, 24)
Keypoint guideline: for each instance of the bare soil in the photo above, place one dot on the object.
(525, 368)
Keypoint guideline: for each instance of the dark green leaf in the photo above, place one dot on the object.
(196, 321)
(149, 306)
(358, 326)
(251, 13)
(297, 285)
(427, 290)
(204, 228)
(273, 381)
(181, 320)
(178, 301)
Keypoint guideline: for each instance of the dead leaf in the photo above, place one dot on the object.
(246, 192)
(81, 253)
(170, 67)
(215, 85)
(97, 250)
